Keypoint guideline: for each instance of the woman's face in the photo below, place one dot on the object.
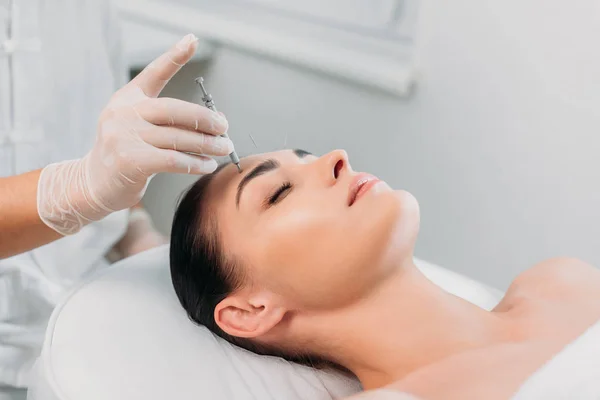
(310, 229)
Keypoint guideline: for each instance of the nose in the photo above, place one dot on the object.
(334, 164)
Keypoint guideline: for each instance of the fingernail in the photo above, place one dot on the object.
(186, 41)
(223, 145)
(220, 122)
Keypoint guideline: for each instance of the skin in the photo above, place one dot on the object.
(22, 228)
(324, 278)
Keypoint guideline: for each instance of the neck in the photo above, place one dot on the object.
(406, 324)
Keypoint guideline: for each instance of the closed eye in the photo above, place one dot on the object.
(278, 195)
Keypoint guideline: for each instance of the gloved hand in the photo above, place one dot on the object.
(138, 136)
(141, 235)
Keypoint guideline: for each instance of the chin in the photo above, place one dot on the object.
(409, 205)
(404, 222)
(392, 228)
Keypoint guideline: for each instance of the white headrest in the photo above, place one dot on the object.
(124, 336)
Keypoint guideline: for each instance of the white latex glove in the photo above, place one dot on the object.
(141, 235)
(138, 136)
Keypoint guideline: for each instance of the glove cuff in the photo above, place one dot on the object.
(64, 201)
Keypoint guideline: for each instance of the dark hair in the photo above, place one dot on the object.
(201, 273)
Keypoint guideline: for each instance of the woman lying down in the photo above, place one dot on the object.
(302, 257)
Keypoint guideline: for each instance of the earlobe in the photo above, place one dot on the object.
(248, 317)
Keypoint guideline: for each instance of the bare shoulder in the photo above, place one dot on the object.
(557, 277)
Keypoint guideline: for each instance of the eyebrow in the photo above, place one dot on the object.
(261, 169)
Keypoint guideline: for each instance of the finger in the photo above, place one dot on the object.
(167, 111)
(178, 163)
(171, 138)
(157, 74)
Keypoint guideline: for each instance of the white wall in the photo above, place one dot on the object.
(500, 143)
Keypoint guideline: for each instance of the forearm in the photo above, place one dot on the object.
(21, 228)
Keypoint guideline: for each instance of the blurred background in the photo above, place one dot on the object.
(487, 111)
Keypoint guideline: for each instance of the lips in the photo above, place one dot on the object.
(359, 186)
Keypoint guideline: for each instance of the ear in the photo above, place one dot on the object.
(248, 315)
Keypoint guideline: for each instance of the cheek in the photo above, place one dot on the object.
(325, 257)
(301, 249)
(298, 235)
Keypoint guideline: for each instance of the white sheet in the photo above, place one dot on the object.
(574, 373)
